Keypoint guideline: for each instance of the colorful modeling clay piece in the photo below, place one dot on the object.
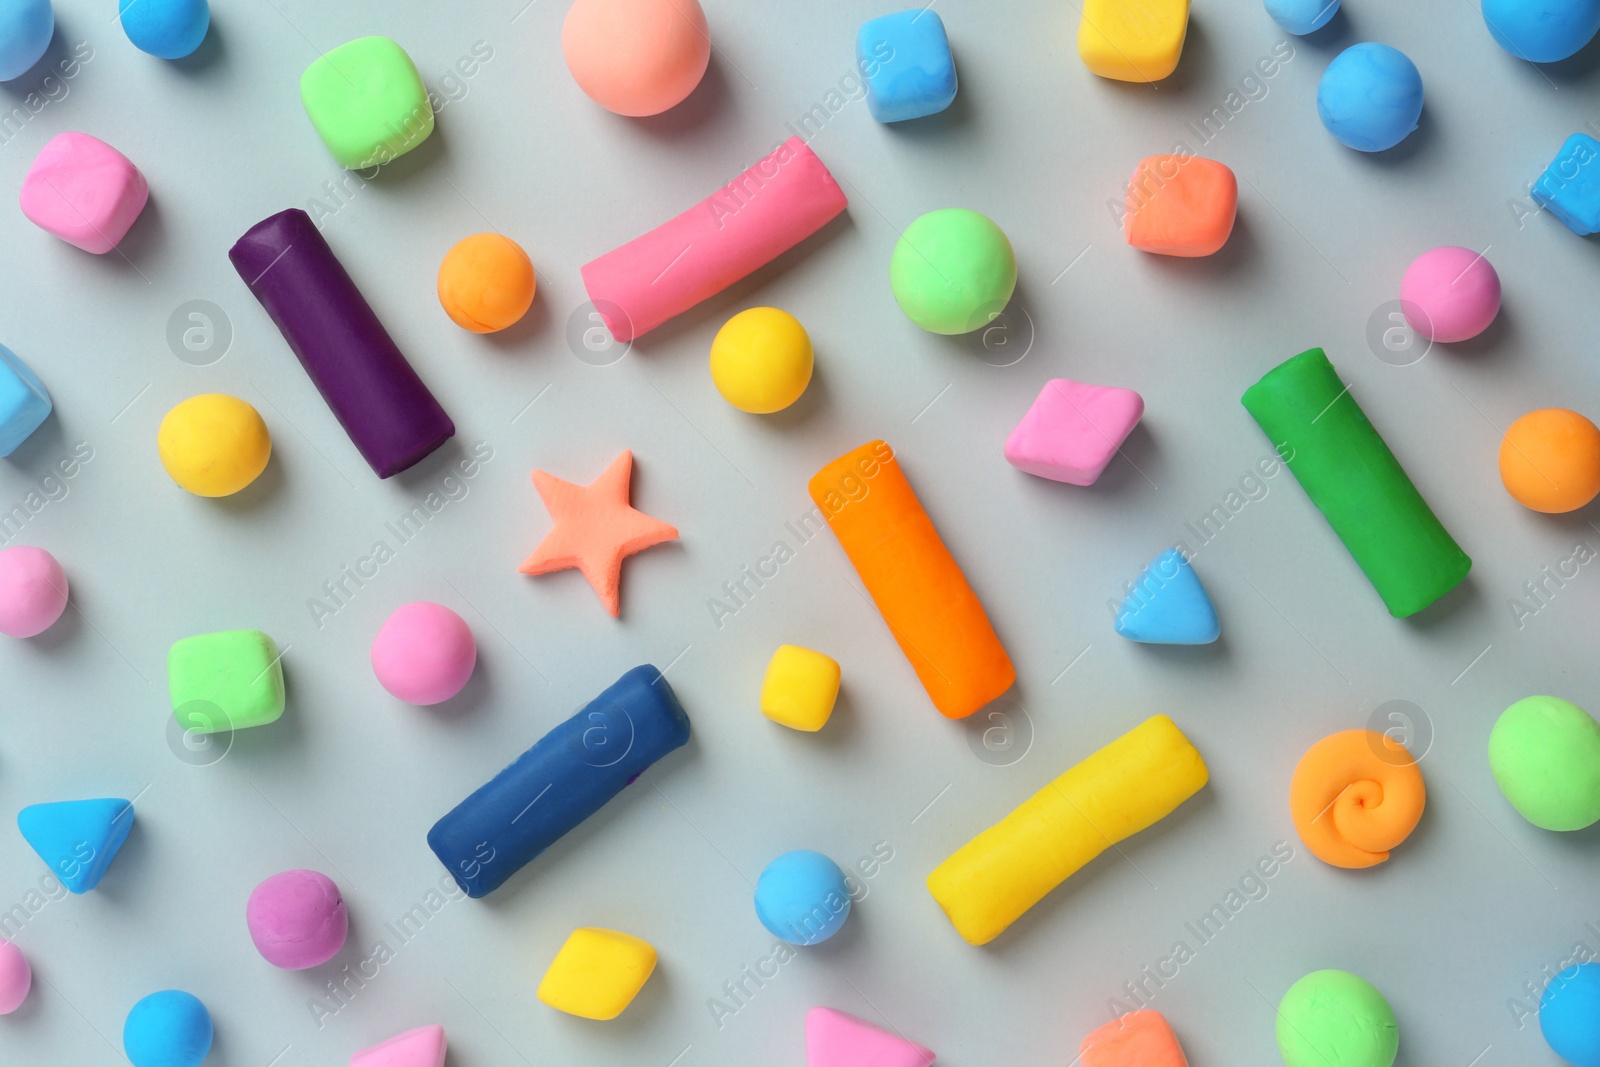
(767, 210)
(214, 444)
(367, 102)
(800, 688)
(1370, 97)
(1133, 40)
(83, 191)
(1355, 795)
(1355, 481)
(916, 584)
(16, 977)
(1127, 786)
(761, 360)
(1542, 31)
(1336, 1017)
(424, 653)
(905, 64)
(167, 1029)
(423, 1047)
(297, 919)
(1180, 206)
(1138, 1039)
(1569, 1015)
(77, 839)
(376, 396)
(597, 973)
(1570, 186)
(562, 780)
(225, 681)
(1167, 605)
(1450, 294)
(33, 591)
(166, 29)
(1545, 755)
(1301, 17)
(1072, 430)
(1550, 460)
(24, 402)
(636, 57)
(595, 529)
(802, 897)
(486, 283)
(838, 1039)
(953, 271)
(26, 27)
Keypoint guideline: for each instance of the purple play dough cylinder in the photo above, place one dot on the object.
(297, 919)
(374, 393)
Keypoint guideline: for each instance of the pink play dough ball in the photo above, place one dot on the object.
(636, 57)
(1456, 289)
(33, 591)
(297, 919)
(424, 654)
(16, 977)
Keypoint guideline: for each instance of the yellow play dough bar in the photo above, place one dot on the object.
(1134, 782)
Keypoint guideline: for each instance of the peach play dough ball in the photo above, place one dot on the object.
(424, 653)
(1456, 290)
(1550, 460)
(636, 57)
(486, 283)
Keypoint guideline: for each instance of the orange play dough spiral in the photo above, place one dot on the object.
(1355, 795)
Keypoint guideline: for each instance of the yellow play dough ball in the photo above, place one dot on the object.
(214, 445)
(761, 360)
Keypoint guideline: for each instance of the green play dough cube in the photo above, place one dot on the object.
(953, 271)
(1545, 755)
(1336, 1019)
(225, 681)
(367, 101)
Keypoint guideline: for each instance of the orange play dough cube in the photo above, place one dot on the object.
(1138, 1039)
(1180, 205)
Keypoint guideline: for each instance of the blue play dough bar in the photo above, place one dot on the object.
(559, 782)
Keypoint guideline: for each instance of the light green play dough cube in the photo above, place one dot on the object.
(367, 101)
(225, 681)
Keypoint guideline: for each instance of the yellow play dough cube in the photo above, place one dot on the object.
(1133, 40)
(597, 973)
(800, 688)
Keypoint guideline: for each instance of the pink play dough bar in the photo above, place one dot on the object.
(743, 226)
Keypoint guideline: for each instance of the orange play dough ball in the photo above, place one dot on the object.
(636, 57)
(1550, 460)
(486, 283)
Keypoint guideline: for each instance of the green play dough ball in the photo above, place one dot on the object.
(1545, 754)
(953, 271)
(1335, 1017)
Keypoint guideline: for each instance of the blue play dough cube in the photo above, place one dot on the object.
(906, 64)
(24, 403)
(167, 29)
(1570, 185)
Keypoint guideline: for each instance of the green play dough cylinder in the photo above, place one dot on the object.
(1545, 755)
(1335, 1017)
(1355, 481)
(953, 271)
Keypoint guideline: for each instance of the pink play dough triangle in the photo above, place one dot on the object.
(834, 1039)
(422, 1047)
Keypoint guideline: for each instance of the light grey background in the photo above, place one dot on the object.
(1476, 903)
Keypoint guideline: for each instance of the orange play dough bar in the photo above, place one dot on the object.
(1355, 795)
(1137, 1039)
(1180, 205)
(912, 578)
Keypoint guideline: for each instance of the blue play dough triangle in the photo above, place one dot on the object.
(77, 839)
(1168, 605)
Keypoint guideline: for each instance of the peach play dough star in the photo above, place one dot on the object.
(596, 529)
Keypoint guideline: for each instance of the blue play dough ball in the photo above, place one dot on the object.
(1370, 97)
(1569, 1015)
(167, 1029)
(1542, 31)
(802, 897)
(168, 29)
(26, 27)
(1301, 17)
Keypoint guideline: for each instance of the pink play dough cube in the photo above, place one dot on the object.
(84, 191)
(1072, 430)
